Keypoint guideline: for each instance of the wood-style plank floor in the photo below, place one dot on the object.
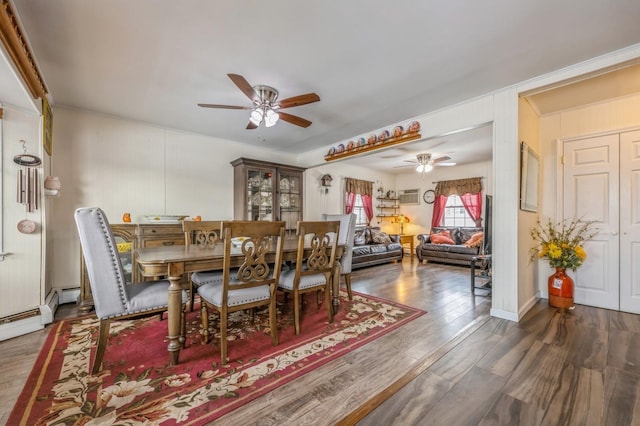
(454, 366)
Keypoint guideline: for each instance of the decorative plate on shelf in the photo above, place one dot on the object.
(165, 218)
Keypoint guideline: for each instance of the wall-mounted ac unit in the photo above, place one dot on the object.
(409, 196)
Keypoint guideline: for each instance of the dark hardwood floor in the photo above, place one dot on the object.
(454, 366)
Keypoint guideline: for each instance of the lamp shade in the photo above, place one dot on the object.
(424, 168)
(271, 118)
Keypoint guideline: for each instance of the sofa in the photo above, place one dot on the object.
(371, 246)
(454, 245)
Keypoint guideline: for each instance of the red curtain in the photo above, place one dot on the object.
(438, 210)
(349, 202)
(473, 204)
(367, 203)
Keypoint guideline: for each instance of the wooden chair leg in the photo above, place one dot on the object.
(183, 326)
(296, 311)
(273, 322)
(223, 336)
(205, 322)
(103, 337)
(347, 280)
(327, 301)
(192, 295)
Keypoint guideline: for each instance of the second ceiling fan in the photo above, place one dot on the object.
(266, 107)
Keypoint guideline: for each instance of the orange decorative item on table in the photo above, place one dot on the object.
(126, 218)
(197, 219)
(561, 245)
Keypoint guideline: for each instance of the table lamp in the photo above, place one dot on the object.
(402, 219)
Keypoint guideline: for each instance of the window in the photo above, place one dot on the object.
(358, 210)
(455, 214)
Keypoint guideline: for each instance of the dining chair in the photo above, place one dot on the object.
(251, 268)
(346, 240)
(315, 262)
(204, 234)
(113, 298)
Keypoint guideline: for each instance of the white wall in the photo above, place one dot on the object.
(528, 294)
(125, 166)
(20, 279)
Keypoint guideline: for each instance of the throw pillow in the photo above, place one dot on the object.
(380, 237)
(475, 240)
(441, 238)
(360, 238)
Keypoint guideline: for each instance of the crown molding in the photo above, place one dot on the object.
(17, 47)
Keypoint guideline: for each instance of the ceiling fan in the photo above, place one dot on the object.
(266, 107)
(425, 163)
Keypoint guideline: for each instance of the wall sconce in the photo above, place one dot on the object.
(325, 181)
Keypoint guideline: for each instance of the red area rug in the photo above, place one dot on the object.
(137, 386)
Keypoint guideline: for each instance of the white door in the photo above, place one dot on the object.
(591, 192)
(630, 222)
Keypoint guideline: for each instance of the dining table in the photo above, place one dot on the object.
(174, 261)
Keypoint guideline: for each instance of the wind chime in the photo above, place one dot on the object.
(28, 189)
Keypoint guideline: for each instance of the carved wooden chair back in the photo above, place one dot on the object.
(315, 263)
(253, 252)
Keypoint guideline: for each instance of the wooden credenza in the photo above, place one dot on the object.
(129, 237)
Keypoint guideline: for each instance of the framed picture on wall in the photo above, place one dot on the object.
(47, 126)
(529, 170)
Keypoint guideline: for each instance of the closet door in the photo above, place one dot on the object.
(591, 192)
(630, 222)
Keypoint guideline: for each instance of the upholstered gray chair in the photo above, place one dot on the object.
(113, 298)
(347, 235)
(258, 247)
(315, 261)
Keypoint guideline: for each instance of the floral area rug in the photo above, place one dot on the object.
(137, 386)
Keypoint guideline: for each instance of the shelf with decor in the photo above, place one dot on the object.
(372, 147)
(387, 207)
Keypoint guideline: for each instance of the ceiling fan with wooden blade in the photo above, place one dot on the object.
(425, 163)
(266, 107)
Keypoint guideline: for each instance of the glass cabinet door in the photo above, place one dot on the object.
(260, 195)
(290, 198)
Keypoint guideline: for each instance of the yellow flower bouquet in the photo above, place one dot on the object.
(562, 243)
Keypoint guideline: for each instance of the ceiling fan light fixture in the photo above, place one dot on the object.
(271, 118)
(256, 116)
(424, 168)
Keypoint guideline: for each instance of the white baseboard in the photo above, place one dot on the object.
(498, 313)
(18, 328)
(525, 308)
(48, 310)
(69, 295)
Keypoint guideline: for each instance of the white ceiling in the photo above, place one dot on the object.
(373, 63)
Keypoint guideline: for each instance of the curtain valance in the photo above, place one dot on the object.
(459, 186)
(357, 186)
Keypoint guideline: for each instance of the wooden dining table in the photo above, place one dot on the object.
(173, 262)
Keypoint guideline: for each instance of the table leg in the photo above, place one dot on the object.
(176, 270)
(336, 286)
(473, 275)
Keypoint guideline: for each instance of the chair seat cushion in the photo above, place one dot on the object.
(209, 277)
(306, 281)
(147, 296)
(212, 293)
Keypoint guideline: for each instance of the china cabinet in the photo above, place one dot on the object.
(267, 191)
